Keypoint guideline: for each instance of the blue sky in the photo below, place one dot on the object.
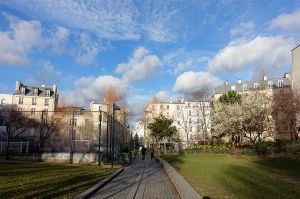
(143, 48)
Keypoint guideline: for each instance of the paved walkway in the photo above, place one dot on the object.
(142, 179)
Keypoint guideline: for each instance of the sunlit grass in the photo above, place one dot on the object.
(229, 176)
(47, 180)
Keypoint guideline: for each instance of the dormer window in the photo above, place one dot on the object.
(256, 85)
(270, 85)
(35, 91)
(48, 92)
(23, 90)
(244, 87)
(280, 83)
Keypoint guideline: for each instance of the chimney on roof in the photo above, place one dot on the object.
(286, 75)
(54, 88)
(239, 81)
(265, 78)
(18, 85)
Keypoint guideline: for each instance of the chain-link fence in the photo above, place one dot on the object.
(74, 136)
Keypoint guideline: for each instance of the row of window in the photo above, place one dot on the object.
(33, 101)
(178, 107)
(256, 85)
(36, 91)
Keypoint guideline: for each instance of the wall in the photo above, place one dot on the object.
(90, 158)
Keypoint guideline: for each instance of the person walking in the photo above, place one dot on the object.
(152, 152)
(143, 150)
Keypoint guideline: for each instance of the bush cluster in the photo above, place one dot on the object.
(260, 148)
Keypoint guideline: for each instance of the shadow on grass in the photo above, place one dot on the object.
(287, 164)
(266, 178)
(36, 180)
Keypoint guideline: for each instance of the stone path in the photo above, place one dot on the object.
(142, 179)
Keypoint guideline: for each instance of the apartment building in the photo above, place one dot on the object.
(295, 73)
(277, 90)
(191, 118)
(5, 99)
(35, 99)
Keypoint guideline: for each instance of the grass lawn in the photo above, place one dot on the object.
(47, 180)
(229, 176)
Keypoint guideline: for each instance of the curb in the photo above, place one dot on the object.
(88, 193)
(92, 190)
(185, 190)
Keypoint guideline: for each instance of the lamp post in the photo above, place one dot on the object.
(115, 108)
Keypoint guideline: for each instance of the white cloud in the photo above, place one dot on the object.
(107, 19)
(264, 53)
(243, 29)
(46, 75)
(288, 22)
(192, 81)
(140, 66)
(91, 88)
(17, 42)
(181, 66)
(159, 21)
(59, 38)
(112, 20)
(88, 50)
(182, 60)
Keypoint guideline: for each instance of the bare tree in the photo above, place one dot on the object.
(285, 107)
(111, 96)
(16, 124)
(203, 96)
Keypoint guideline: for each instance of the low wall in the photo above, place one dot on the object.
(88, 158)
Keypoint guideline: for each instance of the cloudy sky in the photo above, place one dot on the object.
(143, 48)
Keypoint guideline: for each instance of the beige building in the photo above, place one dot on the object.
(191, 118)
(278, 90)
(296, 79)
(35, 99)
(296, 69)
(5, 99)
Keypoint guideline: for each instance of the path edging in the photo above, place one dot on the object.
(184, 189)
(92, 190)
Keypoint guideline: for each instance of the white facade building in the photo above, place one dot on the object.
(5, 99)
(191, 118)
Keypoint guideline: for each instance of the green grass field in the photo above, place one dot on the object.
(47, 180)
(229, 176)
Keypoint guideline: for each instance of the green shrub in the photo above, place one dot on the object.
(279, 146)
(261, 148)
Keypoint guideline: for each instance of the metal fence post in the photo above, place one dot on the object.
(41, 137)
(71, 139)
(99, 147)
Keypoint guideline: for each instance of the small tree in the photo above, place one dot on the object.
(251, 119)
(230, 97)
(162, 128)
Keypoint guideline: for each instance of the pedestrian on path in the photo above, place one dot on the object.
(152, 152)
(143, 152)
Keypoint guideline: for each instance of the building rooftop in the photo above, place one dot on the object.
(249, 85)
(40, 91)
